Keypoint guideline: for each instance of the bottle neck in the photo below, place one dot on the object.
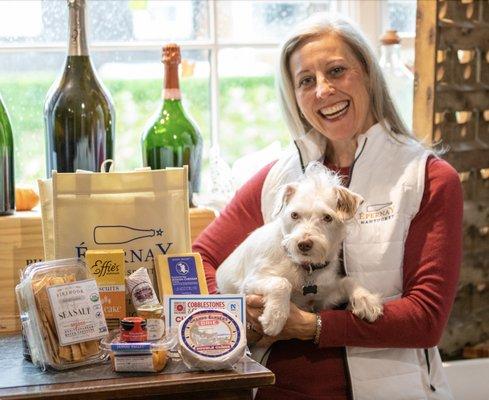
(390, 54)
(171, 89)
(78, 65)
(77, 36)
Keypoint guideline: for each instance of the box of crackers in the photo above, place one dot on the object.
(62, 315)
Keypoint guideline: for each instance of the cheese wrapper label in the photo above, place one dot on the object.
(181, 274)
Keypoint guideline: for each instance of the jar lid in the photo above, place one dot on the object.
(129, 323)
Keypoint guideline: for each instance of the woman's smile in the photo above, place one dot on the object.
(336, 111)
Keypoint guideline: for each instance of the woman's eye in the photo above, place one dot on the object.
(307, 81)
(337, 71)
(294, 215)
(327, 218)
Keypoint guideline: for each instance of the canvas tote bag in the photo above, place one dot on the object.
(144, 212)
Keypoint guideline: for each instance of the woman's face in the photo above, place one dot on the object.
(331, 88)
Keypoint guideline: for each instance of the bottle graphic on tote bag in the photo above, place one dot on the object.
(171, 138)
(120, 234)
(78, 112)
(7, 188)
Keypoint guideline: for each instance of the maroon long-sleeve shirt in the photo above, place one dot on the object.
(432, 259)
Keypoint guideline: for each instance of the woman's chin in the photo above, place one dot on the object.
(339, 130)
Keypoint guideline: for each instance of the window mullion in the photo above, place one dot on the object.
(214, 74)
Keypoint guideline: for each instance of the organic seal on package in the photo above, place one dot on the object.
(211, 339)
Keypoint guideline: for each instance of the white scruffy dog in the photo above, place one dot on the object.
(295, 257)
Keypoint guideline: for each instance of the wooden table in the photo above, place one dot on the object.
(20, 379)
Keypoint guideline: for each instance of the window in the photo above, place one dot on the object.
(229, 51)
(401, 16)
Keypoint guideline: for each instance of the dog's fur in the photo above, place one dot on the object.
(308, 228)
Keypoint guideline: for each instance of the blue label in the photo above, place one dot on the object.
(183, 275)
(130, 347)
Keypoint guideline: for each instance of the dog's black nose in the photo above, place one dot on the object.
(305, 245)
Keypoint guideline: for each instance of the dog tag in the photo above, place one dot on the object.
(309, 289)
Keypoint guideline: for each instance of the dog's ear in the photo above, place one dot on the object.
(284, 195)
(347, 202)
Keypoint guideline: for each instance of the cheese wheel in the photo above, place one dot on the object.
(211, 339)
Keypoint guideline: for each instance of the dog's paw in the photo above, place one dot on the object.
(273, 320)
(366, 305)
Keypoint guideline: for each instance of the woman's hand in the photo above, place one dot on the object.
(254, 308)
(300, 324)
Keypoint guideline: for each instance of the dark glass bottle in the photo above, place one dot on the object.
(78, 113)
(7, 188)
(171, 138)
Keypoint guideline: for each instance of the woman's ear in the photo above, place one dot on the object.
(284, 195)
(347, 203)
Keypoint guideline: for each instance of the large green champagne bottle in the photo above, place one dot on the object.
(171, 138)
(78, 113)
(7, 189)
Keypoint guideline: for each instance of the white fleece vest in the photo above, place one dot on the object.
(390, 176)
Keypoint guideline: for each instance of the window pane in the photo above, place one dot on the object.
(250, 118)
(134, 79)
(107, 20)
(402, 16)
(248, 21)
(24, 81)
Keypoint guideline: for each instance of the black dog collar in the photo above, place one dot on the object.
(314, 267)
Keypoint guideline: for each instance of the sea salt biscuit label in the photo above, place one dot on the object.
(77, 312)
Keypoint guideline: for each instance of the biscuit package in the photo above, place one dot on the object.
(62, 316)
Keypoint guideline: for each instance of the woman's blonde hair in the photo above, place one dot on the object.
(314, 27)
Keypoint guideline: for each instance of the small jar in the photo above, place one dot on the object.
(133, 329)
(155, 323)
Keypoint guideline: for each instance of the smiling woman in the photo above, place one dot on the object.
(339, 112)
(330, 86)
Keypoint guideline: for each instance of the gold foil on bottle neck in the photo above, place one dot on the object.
(171, 54)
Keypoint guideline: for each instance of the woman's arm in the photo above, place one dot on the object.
(431, 268)
(234, 224)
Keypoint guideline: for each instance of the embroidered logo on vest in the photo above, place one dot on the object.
(376, 213)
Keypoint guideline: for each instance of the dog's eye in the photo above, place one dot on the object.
(294, 215)
(327, 218)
